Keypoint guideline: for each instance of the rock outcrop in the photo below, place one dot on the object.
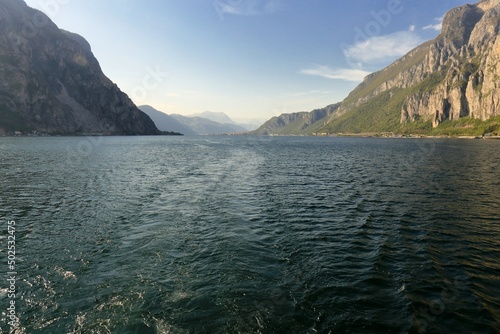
(298, 123)
(455, 75)
(466, 57)
(50, 82)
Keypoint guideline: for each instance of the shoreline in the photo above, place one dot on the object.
(386, 135)
(395, 135)
(345, 135)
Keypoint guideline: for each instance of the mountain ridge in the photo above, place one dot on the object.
(204, 126)
(453, 78)
(223, 118)
(51, 83)
(299, 123)
(218, 117)
(191, 125)
(166, 122)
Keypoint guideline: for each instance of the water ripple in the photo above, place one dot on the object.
(254, 235)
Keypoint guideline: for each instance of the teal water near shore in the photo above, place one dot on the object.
(252, 234)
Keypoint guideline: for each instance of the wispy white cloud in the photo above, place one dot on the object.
(381, 49)
(347, 74)
(369, 53)
(247, 7)
(436, 26)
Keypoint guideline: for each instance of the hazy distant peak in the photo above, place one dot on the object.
(218, 117)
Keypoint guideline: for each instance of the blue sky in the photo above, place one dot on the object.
(247, 58)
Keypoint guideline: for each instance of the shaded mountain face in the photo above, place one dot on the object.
(222, 118)
(299, 123)
(50, 82)
(454, 76)
(203, 126)
(190, 125)
(166, 122)
(218, 117)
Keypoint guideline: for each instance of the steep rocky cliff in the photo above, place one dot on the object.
(297, 123)
(466, 55)
(50, 82)
(454, 76)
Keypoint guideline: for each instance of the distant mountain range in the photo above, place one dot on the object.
(218, 117)
(51, 83)
(165, 122)
(447, 86)
(206, 123)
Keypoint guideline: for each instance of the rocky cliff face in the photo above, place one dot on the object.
(453, 76)
(466, 56)
(456, 75)
(296, 123)
(50, 81)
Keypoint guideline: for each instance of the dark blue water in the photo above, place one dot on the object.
(251, 235)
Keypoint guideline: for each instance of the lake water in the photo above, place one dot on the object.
(251, 235)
